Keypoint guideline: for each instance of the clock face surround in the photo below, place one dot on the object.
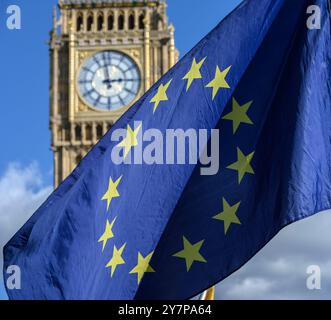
(108, 80)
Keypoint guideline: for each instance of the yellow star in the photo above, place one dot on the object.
(116, 260)
(161, 95)
(108, 234)
(142, 266)
(238, 114)
(228, 215)
(194, 72)
(112, 191)
(242, 165)
(190, 253)
(130, 140)
(219, 81)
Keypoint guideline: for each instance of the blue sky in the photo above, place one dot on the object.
(278, 271)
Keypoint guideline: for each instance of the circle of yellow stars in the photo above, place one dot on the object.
(191, 252)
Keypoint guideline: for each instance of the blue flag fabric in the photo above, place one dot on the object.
(154, 231)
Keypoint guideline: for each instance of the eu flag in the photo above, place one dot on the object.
(164, 230)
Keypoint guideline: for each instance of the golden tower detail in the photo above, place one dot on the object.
(104, 55)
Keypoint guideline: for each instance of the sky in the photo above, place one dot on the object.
(276, 272)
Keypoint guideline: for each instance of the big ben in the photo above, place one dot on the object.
(104, 55)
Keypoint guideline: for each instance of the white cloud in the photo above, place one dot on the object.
(279, 270)
(243, 289)
(21, 192)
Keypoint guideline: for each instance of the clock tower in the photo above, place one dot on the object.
(104, 55)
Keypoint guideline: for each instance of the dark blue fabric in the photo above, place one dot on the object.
(276, 62)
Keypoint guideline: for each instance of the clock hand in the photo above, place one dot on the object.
(112, 80)
(122, 80)
(106, 73)
(117, 80)
(109, 82)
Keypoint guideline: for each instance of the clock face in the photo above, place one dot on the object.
(108, 80)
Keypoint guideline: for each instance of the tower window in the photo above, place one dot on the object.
(110, 23)
(89, 23)
(99, 131)
(131, 22)
(141, 22)
(121, 22)
(78, 133)
(79, 23)
(79, 158)
(59, 134)
(88, 132)
(66, 134)
(100, 23)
